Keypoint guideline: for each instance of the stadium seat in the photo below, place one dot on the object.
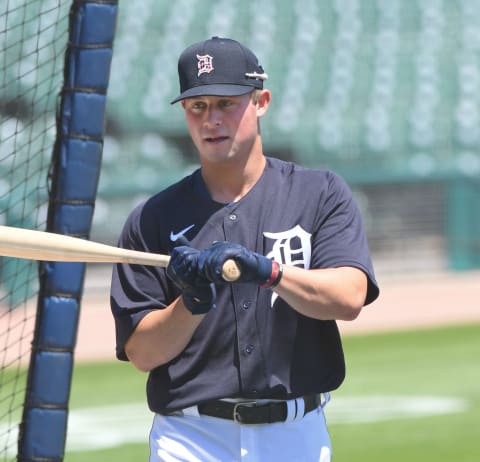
(390, 84)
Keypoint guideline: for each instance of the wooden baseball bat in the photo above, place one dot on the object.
(45, 246)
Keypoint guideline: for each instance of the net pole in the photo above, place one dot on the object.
(74, 175)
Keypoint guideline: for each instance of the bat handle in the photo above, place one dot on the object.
(230, 271)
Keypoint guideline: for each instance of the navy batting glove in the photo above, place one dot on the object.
(253, 266)
(201, 298)
(198, 293)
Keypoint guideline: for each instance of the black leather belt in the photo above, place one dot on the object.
(251, 412)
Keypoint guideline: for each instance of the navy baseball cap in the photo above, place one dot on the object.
(218, 67)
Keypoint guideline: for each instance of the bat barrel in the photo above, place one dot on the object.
(45, 246)
(40, 245)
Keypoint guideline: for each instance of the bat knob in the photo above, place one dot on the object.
(230, 271)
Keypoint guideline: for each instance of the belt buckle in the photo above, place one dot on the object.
(236, 416)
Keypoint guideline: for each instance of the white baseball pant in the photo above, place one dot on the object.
(199, 438)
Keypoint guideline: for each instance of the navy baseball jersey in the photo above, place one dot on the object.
(252, 345)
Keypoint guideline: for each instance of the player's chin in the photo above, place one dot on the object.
(216, 154)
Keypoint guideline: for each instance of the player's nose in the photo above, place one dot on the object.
(213, 116)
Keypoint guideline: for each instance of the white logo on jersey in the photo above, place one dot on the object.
(175, 237)
(292, 247)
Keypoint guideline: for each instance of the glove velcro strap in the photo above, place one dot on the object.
(275, 275)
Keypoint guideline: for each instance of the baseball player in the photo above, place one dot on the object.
(240, 371)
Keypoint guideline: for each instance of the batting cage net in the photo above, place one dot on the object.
(54, 67)
(33, 38)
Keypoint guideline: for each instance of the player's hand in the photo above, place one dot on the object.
(253, 266)
(198, 293)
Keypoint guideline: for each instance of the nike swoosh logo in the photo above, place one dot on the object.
(174, 237)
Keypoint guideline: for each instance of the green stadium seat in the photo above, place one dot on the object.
(389, 84)
(141, 164)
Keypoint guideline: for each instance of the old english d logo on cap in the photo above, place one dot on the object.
(205, 64)
(218, 67)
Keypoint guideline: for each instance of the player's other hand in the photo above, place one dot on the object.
(198, 293)
(253, 266)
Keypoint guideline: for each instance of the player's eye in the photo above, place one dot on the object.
(197, 106)
(225, 103)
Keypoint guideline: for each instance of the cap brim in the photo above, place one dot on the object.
(215, 90)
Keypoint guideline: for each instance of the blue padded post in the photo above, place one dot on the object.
(75, 171)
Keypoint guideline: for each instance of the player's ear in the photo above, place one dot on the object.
(263, 102)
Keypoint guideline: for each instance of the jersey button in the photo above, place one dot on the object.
(246, 305)
(249, 349)
(233, 217)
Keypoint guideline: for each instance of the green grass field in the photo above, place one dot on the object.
(414, 367)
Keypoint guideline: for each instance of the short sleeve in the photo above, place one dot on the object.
(339, 239)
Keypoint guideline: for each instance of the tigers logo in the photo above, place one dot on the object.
(292, 247)
(205, 64)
